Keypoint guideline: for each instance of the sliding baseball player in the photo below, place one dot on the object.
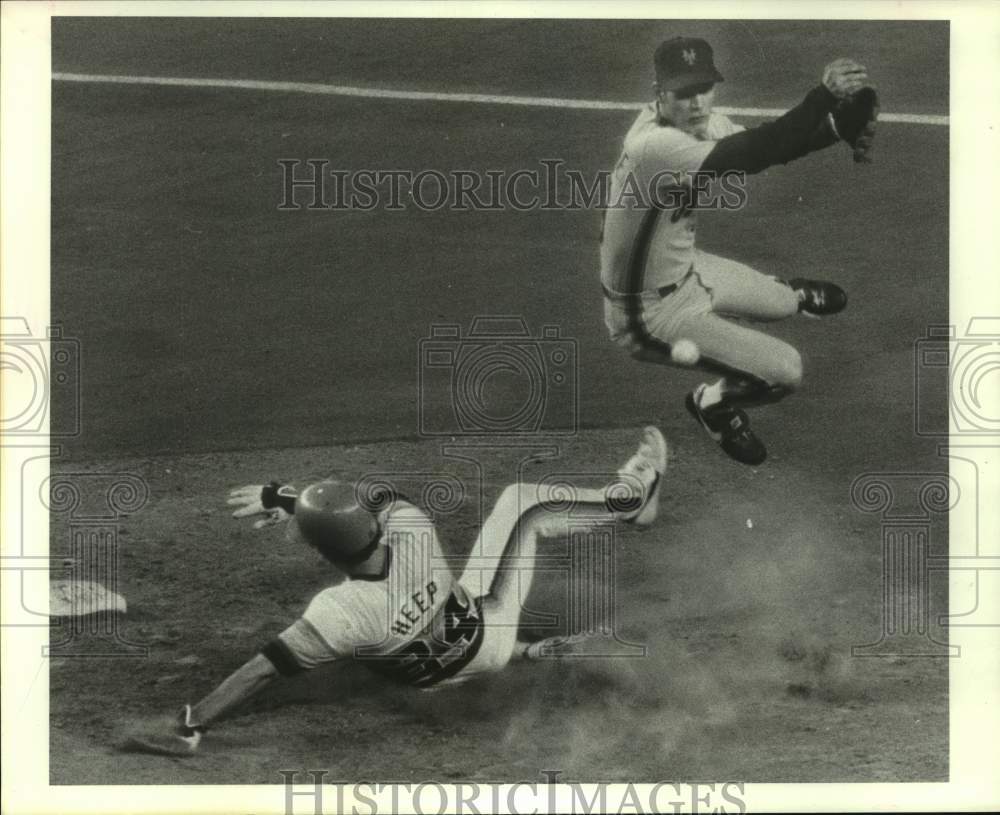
(400, 612)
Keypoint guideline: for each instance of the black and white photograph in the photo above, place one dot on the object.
(522, 410)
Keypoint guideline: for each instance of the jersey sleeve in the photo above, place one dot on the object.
(326, 631)
(670, 149)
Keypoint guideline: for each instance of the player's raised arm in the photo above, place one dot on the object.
(833, 110)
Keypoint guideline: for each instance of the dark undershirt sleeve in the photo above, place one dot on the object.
(280, 655)
(799, 131)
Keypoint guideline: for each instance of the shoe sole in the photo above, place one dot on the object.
(737, 454)
(138, 744)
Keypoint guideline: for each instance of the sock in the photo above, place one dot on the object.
(711, 394)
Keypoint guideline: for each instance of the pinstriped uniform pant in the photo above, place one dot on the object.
(502, 564)
(700, 310)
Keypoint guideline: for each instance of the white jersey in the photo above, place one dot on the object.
(414, 623)
(643, 247)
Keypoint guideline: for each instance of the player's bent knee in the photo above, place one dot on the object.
(788, 373)
(518, 498)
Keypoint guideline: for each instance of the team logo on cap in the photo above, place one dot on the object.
(690, 57)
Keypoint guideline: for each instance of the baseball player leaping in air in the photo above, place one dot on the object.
(659, 290)
(400, 612)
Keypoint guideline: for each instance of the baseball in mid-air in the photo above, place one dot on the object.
(684, 352)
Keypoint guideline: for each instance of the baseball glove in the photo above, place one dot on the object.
(854, 121)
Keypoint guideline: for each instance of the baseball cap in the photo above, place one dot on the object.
(684, 61)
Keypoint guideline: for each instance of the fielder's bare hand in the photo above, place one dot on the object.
(844, 77)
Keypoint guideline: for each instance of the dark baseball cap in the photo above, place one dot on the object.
(684, 61)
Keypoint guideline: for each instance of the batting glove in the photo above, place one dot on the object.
(274, 502)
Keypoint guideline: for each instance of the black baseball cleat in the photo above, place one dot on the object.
(817, 298)
(729, 427)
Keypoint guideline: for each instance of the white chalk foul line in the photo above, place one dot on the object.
(428, 96)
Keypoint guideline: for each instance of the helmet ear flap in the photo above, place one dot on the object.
(330, 519)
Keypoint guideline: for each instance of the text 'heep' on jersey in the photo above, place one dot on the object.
(414, 625)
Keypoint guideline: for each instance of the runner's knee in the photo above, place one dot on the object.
(517, 499)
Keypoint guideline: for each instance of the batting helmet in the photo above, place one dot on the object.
(332, 520)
